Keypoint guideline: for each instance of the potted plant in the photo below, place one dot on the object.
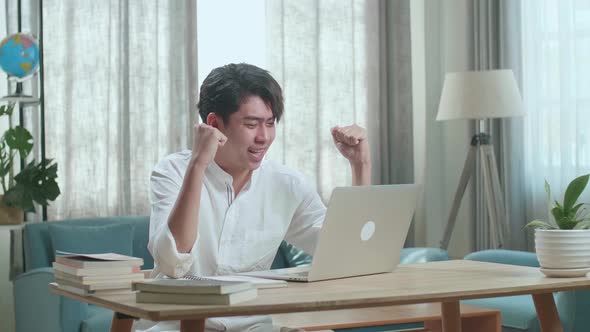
(563, 242)
(35, 182)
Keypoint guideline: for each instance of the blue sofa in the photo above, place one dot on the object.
(59, 314)
(55, 313)
(518, 312)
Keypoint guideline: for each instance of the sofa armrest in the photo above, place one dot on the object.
(290, 256)
(422, 255)
(512, 257)
(571, 305)
(51, 312)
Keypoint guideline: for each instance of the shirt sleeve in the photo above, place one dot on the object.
(307, 221)
(166, 181)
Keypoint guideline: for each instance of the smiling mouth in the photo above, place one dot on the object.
(256, 151)
(257, 154)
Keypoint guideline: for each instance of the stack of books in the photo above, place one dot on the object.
(97, 274)
(194, 291)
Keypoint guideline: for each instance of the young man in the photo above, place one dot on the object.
(221, 208)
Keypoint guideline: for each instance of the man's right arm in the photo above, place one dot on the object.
(184, 217)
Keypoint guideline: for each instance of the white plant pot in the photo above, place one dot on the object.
(563, 249)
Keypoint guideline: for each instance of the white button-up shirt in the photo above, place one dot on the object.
(236, 233)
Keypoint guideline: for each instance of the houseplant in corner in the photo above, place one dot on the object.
(35, 182)
(563, 242)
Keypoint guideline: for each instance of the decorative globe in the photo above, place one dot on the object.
(19, 56)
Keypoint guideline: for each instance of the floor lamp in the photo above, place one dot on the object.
(480, 95)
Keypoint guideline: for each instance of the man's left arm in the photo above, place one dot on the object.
(352, 142)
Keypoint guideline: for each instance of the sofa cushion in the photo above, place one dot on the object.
(39, 252)
(98, 320)
(518, 312)
(502, 256)
(423, 255)
(117, 238)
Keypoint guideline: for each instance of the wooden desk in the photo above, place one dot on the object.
(472, 318)
(446, 282)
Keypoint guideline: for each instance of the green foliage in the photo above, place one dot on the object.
(36, 182)
(20, 139)
(6, 109)
(540, 224)
(568, 215)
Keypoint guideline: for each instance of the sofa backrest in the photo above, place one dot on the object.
(39, 251)
(290, 256)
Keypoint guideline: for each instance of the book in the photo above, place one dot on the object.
(191, 286)
(100, 271)
(95, 286)
(84, 292)
(98, 278)
(199, 299)
(260, 283)
(97, 260)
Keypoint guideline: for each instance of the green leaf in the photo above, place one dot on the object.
(574, 190)
(5, 161)
(567, 223)
(579, 214)
(548, 190)
(583, 225)
(577, 207)
(564, 219)
(539, 224)
(553, 223)
(17, 197)
(20, 139)
(557, 212)
(35, 183)
(7, 109)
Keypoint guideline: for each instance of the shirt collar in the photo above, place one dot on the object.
(219, 174)
(222, 176)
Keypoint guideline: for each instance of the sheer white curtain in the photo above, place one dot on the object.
(119, 95)
(325, 55)
(121, 78)
(556, 92)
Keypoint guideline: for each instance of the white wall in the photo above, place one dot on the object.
(441, 43)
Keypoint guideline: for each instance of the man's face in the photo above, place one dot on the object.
(250, 131)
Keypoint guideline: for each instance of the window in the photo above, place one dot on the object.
(556, 85)
(230, 31)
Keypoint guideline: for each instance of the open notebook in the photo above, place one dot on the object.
(259, 283)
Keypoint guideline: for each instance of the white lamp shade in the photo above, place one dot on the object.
(480, 95)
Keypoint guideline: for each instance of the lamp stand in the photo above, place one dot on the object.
(495, 204)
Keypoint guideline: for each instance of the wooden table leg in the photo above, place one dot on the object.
(197, 325)
(487, 322)
(547, 313)
(121, 323)
(451, 316)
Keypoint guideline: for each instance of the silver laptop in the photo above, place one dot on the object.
(363, 233)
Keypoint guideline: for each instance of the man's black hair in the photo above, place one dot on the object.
(226, 87)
